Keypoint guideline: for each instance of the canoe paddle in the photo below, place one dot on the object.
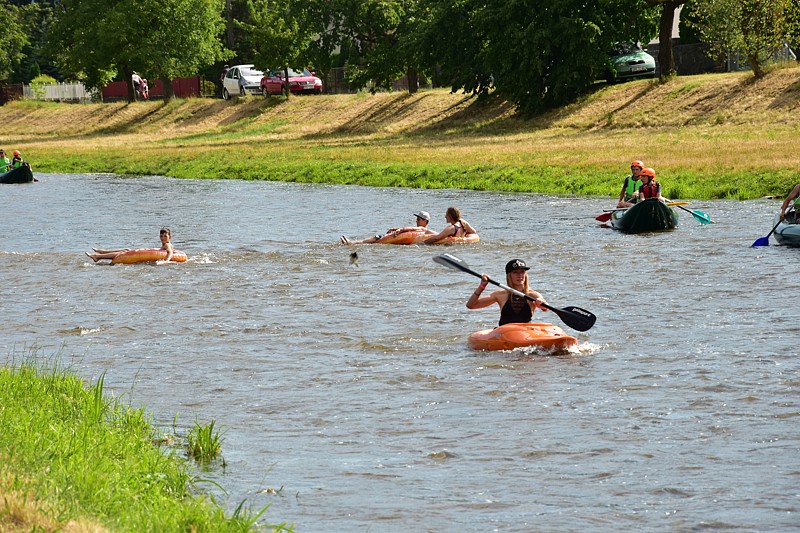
(700, 216)
(574, 317)
(764, 241)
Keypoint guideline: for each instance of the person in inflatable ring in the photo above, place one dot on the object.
(513, 308)
(422, 222)
(165, 235)
(457, 227)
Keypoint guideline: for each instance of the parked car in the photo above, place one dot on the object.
(628, 62)
(299, 82)
(241, 80)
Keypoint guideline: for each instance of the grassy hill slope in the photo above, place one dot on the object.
(720, 135)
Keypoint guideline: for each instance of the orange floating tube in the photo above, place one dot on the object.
(466, 239)
(510, 336)
(411, 235)
(146, 255)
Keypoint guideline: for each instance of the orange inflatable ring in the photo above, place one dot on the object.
(146, 255)
(410, 235)
(510, 336)
(472, 237)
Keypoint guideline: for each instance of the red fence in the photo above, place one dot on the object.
(10, 91)
(183, 87)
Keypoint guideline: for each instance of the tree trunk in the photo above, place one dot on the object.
(413, 80)
(169, 90)
(229, 25)
(666, 61)
(755, 65)
(287, 90)
(127, 74)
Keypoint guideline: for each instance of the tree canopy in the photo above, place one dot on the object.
(536, 53)
(98, 40)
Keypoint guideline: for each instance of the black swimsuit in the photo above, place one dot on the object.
(516, 309)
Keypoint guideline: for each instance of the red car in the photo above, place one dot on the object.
(299, 82)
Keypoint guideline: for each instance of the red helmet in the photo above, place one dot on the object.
(637, 164)
(16, 152)
(648, 172)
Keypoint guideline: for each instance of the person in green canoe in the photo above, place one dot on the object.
(650, 188)
(793, 195)
(5, 162)
(630, 187)
(513, 308)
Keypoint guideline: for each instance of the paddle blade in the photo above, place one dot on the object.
(701, 217)
(451, 261)
(575, 317)
(763, 241)
(605, 217)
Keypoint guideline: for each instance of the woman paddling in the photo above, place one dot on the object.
(513, 308)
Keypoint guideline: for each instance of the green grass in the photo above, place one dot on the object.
(88, 455)
(204, 444)
(708, 137)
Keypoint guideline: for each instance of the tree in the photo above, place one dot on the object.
(756, 28)
(279, 34)
(382, 37)
(13, 37)
(97, 40)
(537, 53)
(666, 59)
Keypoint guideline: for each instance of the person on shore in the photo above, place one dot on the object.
(630, 187)
(422, 223)
(137, 83)
(793, 195)
(650, 187)
(166, 244)
(5, 162)
(456, 227)
(513, 308)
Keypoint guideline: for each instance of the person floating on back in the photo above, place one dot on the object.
(165, 235)
(422, 224)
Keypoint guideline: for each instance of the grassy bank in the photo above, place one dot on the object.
(708, 136)
(73, 459)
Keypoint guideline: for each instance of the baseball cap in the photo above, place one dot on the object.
(516, 264)
(423, 215)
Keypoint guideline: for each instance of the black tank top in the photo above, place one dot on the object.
(516, 309)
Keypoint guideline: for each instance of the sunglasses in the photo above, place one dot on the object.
(640, 168)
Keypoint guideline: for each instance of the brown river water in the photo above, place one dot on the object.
(350, 390)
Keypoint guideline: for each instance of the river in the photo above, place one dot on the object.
(349, 389)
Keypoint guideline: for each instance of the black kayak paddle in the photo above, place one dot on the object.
(574, 317)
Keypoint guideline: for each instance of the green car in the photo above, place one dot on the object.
(629, 62)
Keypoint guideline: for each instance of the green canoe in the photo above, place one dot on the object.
(648, 215)
(20, 174)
